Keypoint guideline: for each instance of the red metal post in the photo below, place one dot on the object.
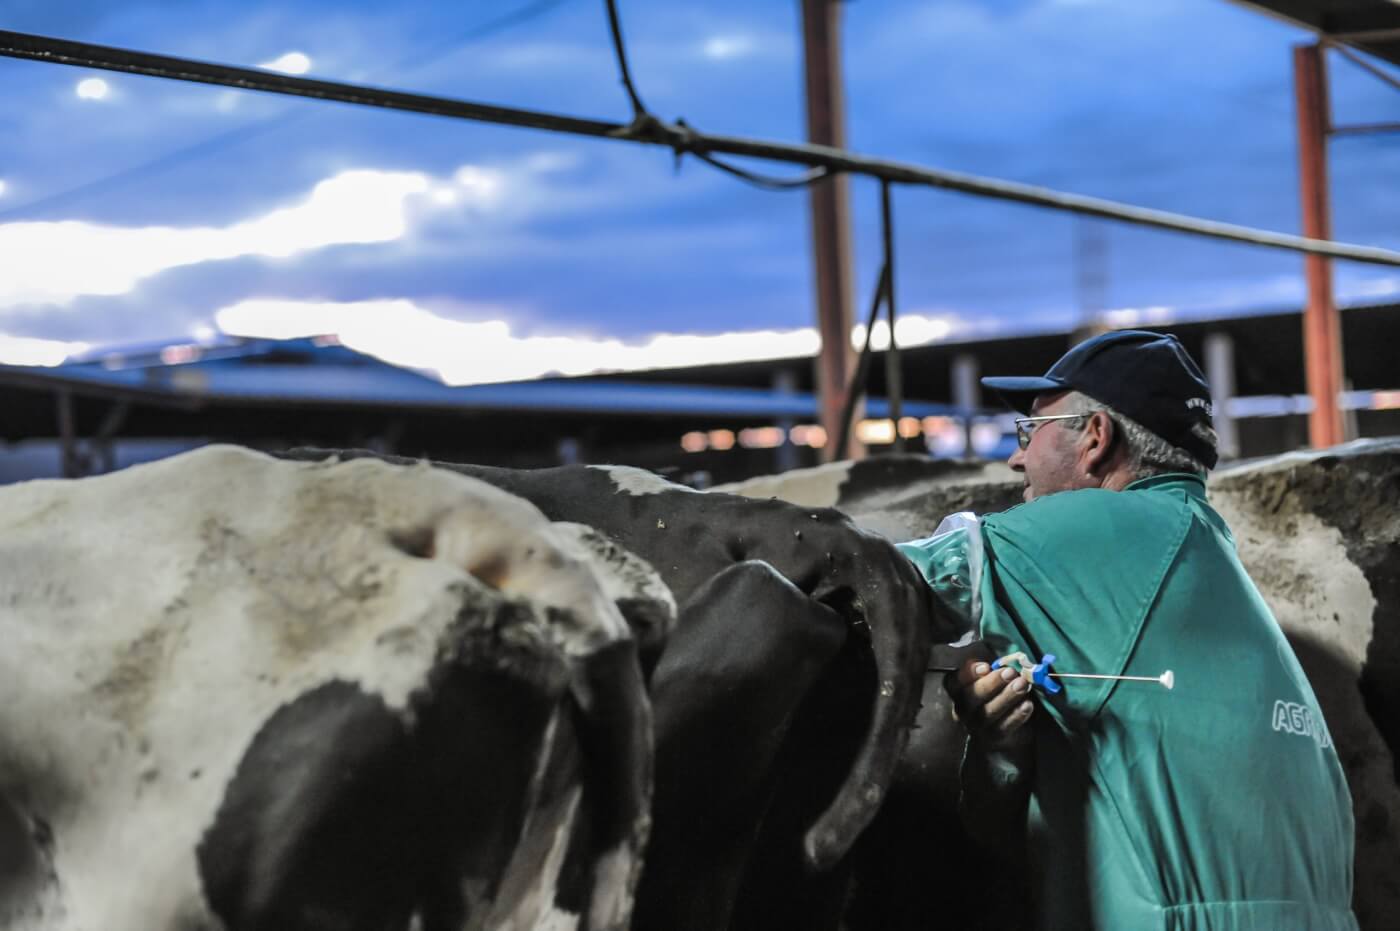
(1322, 330)
(831, 224)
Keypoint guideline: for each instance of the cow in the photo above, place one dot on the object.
(1319, 533)
(248, 694)
(782, 700)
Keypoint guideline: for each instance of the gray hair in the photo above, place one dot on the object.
(1148, 453)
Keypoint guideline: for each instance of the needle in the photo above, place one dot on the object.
(1166, 679)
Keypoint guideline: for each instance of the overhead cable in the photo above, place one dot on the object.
(644, 123)
(884, 295)
(87, 55)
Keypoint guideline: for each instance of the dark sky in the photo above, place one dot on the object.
(140, 209)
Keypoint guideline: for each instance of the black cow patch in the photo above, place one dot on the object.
(314, 829)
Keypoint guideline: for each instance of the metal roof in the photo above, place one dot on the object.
(1372, 26)
(312, 373)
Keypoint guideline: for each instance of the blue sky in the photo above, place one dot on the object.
(139, 209)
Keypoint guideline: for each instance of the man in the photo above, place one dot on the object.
(1142, 807)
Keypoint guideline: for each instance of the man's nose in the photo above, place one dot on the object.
(1017, 460)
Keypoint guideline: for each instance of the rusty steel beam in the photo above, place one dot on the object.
(1322, 331)
(831, 222)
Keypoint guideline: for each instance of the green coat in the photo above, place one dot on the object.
(1218, 805)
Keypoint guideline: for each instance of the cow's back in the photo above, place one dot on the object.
(184, 638)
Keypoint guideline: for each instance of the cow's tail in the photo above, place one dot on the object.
(896, 610)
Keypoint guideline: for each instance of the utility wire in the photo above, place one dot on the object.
(766, 182)
(894, 376)
(856, 389)
(639, 110)
(86, 55)
(643, 121)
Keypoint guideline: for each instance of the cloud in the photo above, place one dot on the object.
(92, 89)
(480, 352)
(54, 262)
(24, 350)
(290, 63)
(731, 46)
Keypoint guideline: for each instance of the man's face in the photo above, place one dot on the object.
(1050, 463)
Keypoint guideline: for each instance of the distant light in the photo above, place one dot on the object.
(986, 436)
(203, 332)
(177, 355)
(290, 63)
(1385, 400)
(2, 188)
(910, 427)
(808, 434)
(762, 437)
(92, 89)
(695, 442)
(875, 432)
(721, 439)
(944, 436)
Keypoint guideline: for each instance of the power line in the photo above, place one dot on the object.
(675, 137)
(644, 121)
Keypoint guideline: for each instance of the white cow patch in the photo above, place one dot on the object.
(816, 487)
(634, 481)
(154, 618)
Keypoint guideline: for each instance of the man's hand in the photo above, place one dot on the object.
(993, 704)
(998, 767)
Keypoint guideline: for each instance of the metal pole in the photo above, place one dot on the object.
(967, 396)
(785, 456)
(67, 435)
(831, 223)
(1322, 337)
(1365, 129)
(1220, 373)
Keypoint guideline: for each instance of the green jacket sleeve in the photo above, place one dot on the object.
(951, 563)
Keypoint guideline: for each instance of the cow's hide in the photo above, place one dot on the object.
(247, 694)
(1320, 534)
(782, 701)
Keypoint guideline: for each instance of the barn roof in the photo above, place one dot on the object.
(1371, 26)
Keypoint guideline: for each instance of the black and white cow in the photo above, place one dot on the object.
(1319, 533)
(782, 701)
(247, 694)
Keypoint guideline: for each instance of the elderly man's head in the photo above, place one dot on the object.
(1116, 408)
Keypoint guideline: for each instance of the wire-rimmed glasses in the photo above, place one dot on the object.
(1026, 426)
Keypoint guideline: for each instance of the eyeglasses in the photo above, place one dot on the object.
(1026, 426)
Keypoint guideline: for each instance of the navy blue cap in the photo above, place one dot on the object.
(1147, 376)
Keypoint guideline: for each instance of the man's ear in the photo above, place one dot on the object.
(1100, 437)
